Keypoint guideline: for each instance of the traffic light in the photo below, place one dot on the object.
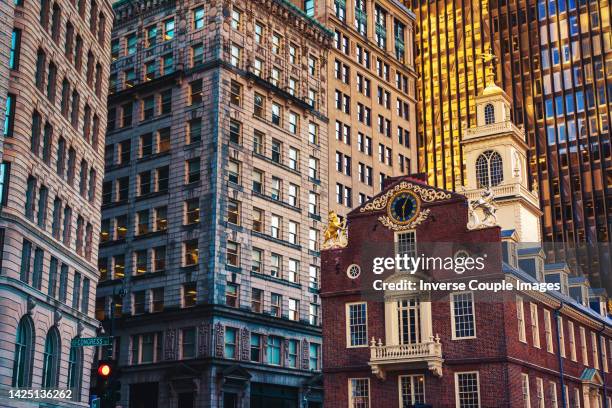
(104, 370)
(108, 384)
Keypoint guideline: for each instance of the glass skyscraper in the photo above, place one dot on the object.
(554, 59)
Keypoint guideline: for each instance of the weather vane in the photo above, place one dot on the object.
(489, 61)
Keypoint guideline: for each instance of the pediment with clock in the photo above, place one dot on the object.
(403, 205)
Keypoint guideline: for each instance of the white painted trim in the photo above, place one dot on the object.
(350, 389)
(522, 328)
(452, 309)
(535, 324)
(347, 324)
(399, 387)
(457, 386)
(525, 377)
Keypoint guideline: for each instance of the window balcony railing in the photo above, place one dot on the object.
(395, 357)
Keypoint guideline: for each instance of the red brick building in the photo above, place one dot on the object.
(463, 348)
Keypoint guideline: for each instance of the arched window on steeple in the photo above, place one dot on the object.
(24, 351)
(489, 114)
(489, 169)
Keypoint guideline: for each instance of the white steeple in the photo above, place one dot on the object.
(495, 155)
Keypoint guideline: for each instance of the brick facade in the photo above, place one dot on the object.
(495, 352)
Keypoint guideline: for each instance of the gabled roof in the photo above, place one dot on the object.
(591, 375)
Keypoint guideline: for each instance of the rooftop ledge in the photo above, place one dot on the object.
(396, 357)
(506, 190)
(493, 128)
(284, 3)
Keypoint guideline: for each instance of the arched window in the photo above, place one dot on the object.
(75, 369)
(24, 350)
(489, 114)
(51, 359)
(489, 169)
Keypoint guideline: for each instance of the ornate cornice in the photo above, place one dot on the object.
(426, 194)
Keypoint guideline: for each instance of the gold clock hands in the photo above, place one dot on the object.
(404, 208)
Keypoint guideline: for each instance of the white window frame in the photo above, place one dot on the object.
(561, 332)
(554, 402)
(548, 331)
(396, 243)
(412, 377)
(525, 389)
(572, 340)
(535, 324)
(348, 324)
(604, 356)
(520, 315)
(583, 346)
(577, 397)
(452, 307)
(350, 391)
(540, 393)
(457, 374)
(595, 350)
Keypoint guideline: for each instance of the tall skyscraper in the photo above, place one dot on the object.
(53, 87)
(215, 186)
(372, 97)
(554, 59)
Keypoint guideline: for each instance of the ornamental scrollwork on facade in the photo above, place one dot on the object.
(204, 340)
(428, 195)
(388, 222)
(219, 340)
(305, 354)
(170, 345)
(245, 344)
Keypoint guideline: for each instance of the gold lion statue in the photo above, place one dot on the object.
(335, 234)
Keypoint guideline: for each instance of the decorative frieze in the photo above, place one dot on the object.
(204, 340)
(170, 345)
(245, 344)
(219, 339)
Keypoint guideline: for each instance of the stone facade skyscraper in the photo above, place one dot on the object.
(213, 201)
(53, 87)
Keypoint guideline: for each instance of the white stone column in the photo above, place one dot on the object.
(426, 324)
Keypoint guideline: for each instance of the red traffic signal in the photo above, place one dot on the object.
(104, 369)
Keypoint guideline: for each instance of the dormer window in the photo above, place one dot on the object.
(489, 170)
(489, 114)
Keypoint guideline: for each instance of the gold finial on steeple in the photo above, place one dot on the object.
(489, 60)
(491, 87)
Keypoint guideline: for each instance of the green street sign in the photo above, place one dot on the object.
(91, 341)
